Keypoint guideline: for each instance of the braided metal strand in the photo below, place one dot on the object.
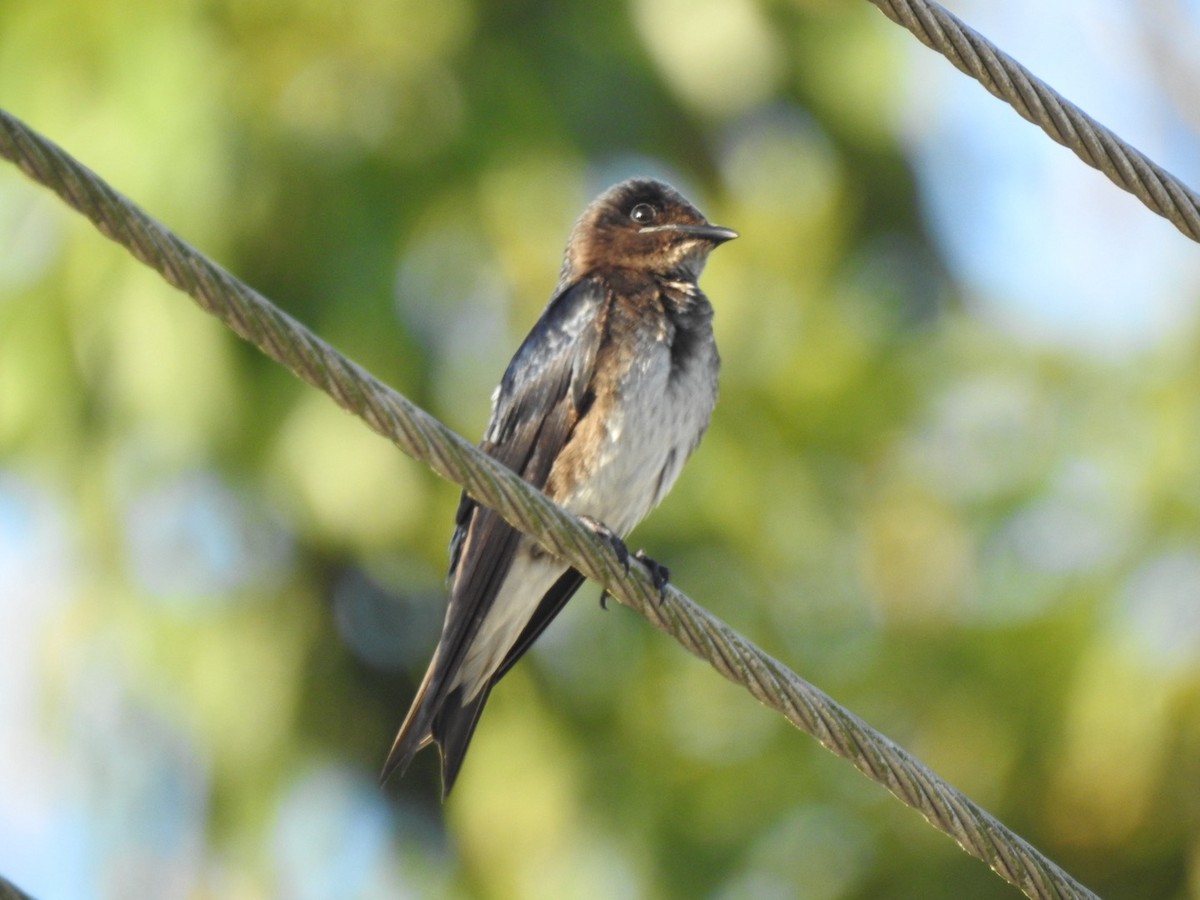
(425, 438)
(1037, 102)
(9, 891)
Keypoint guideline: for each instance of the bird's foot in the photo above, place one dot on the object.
(601, 530)
(659, 574)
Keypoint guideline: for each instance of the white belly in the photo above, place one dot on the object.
(647, 439)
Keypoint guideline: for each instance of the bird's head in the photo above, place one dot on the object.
(643, 225)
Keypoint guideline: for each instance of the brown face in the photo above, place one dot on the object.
(643, 224)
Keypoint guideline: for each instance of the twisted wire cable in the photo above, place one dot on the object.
(9, 891)
(425, 438)
(1037, 102)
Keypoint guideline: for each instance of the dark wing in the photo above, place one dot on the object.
(543, 394)
(552, 603)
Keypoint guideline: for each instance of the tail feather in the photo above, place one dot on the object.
(414, 734)
(448, 721)
(452, 729)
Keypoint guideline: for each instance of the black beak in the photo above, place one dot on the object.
(714, 234)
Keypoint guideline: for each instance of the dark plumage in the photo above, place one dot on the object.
(600, 407)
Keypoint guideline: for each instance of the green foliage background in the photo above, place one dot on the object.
(251, 581)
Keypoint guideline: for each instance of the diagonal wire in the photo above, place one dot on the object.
(1037, 102)
(9, 891)
(422, 436)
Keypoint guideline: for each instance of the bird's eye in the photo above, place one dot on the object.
(643, 213)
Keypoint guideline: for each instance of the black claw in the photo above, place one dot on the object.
(659, 574)
(599, 529)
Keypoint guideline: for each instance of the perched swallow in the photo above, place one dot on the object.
(599, 408)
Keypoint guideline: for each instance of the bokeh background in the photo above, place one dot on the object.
(953, 477)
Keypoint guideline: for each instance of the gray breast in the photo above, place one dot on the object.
(669, 399)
